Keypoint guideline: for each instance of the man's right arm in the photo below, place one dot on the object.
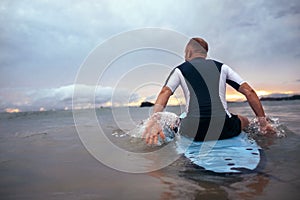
(257, 107)
(252, 99)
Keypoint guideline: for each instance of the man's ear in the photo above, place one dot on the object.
(188, 54)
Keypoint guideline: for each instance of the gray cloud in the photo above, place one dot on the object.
(43, 43)
(151, 98)
(59, 98)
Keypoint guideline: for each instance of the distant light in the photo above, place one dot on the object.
(108, 104)
(262, 93)
(288, 92)
(66, 108)
(12, 110)
(42, 109)
(235, 97)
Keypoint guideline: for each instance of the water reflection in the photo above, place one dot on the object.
(250, 187)
(193, 182)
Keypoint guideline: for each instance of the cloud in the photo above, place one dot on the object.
(59, 98)
(151, 98)
(43, 43)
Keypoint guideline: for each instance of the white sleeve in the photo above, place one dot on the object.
(232, 78)
(173, 80)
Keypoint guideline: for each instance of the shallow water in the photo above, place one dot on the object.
(41, 156)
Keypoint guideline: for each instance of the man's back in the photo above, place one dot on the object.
(202, 77)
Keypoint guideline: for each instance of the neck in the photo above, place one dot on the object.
(196, 55)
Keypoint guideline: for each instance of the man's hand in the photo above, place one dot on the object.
(153, 130)
(265, 126)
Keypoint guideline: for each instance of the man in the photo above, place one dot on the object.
(204, 85)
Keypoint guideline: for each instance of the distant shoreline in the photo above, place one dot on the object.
(150, 104)
(146, 104)
(289, 98)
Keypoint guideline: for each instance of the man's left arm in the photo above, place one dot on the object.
(162, 99)
(153, 130)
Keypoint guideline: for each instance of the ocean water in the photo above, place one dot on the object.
(42, 157)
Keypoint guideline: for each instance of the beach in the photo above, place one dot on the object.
(42, 157)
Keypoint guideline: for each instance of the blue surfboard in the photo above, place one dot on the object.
(224, 156)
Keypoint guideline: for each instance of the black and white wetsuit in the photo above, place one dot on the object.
(204, 85)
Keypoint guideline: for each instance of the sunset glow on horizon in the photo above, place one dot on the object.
(231, 96)
(12, 110)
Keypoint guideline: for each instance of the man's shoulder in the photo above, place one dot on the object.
(182, 65)
(216, 61)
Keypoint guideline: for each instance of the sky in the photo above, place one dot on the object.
(44, 43)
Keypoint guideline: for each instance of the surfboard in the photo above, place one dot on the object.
(225, 156)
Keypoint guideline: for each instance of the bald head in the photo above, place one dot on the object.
(196, 47)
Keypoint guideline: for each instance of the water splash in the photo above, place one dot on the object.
(167, 121)
(119, 133)
(170, 124)
(254, 128)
